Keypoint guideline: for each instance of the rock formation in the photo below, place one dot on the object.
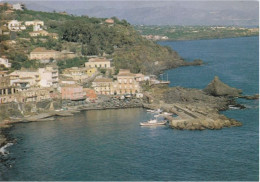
(218, 88)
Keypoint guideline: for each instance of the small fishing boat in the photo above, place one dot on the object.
(149, 110)
(167, 114)
(233, 107)
(153, 123)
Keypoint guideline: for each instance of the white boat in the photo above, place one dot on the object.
(153, 122)
(233, 107)
(167, 114)
(149, 110)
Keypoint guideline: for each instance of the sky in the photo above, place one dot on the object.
(155, 12)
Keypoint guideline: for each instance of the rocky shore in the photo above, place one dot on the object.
(196, 109)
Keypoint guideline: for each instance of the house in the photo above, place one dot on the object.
(43, 77)
(139, 77)
(37, 27)
(38, 33)
(15, 25)
(72, 92)
(77, 74)
(90, 71)
(19, 6)
(90, 93)
(35, 95)
(109, 20)
(126, 83)
(41, 53)
(23, 83)
(103, 86)
(24, 79)
(6, 89)
(35, 22)
(98, 63)
(4, 61)
(48, 77)
(66, 80)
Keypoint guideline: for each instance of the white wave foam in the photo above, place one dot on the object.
(3, 150)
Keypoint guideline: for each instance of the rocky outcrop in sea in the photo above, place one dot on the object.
(217, 88)
(195, 109)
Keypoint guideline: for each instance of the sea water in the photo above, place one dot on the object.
(110, 144)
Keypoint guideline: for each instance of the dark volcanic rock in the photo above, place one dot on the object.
(218, 88)
(193, 96)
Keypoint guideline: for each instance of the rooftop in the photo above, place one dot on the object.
(125, 72)
(42, 49)
(103, 80)
(70, 86)
(98, 60)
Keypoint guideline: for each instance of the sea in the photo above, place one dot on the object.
(110, 145)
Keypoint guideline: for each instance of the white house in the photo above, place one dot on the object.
(4, 61)
(15, 25)
(48, 77)
(43, 77)
(35, 22)
(18, 6)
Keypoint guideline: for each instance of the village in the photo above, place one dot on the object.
(38, 80)
(76, 84)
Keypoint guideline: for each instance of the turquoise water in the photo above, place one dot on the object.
(110, 144)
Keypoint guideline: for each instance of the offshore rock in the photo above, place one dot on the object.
(218, 88)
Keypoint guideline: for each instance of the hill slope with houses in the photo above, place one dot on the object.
(60, 56)
(23, 31)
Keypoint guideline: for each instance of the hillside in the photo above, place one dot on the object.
(86, 36)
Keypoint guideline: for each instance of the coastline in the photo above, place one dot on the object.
(180, 40)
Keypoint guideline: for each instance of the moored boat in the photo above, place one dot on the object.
(153, 123)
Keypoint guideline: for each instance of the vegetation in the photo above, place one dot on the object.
(196, 32)
(68, 63)
(89, 36)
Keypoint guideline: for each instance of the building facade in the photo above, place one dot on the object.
(41, 53)
(43, 77)
(15, 25)
(6, 90)
(35, 22)
(72, 92)
(38, 33)
(98, 63)
(103, 86)
(126, 83)
(48, 77)
(4, 61)
(19, 6)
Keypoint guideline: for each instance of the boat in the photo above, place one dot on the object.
(153, 123)
(233, 107)
(167, 114)
(149, 110)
